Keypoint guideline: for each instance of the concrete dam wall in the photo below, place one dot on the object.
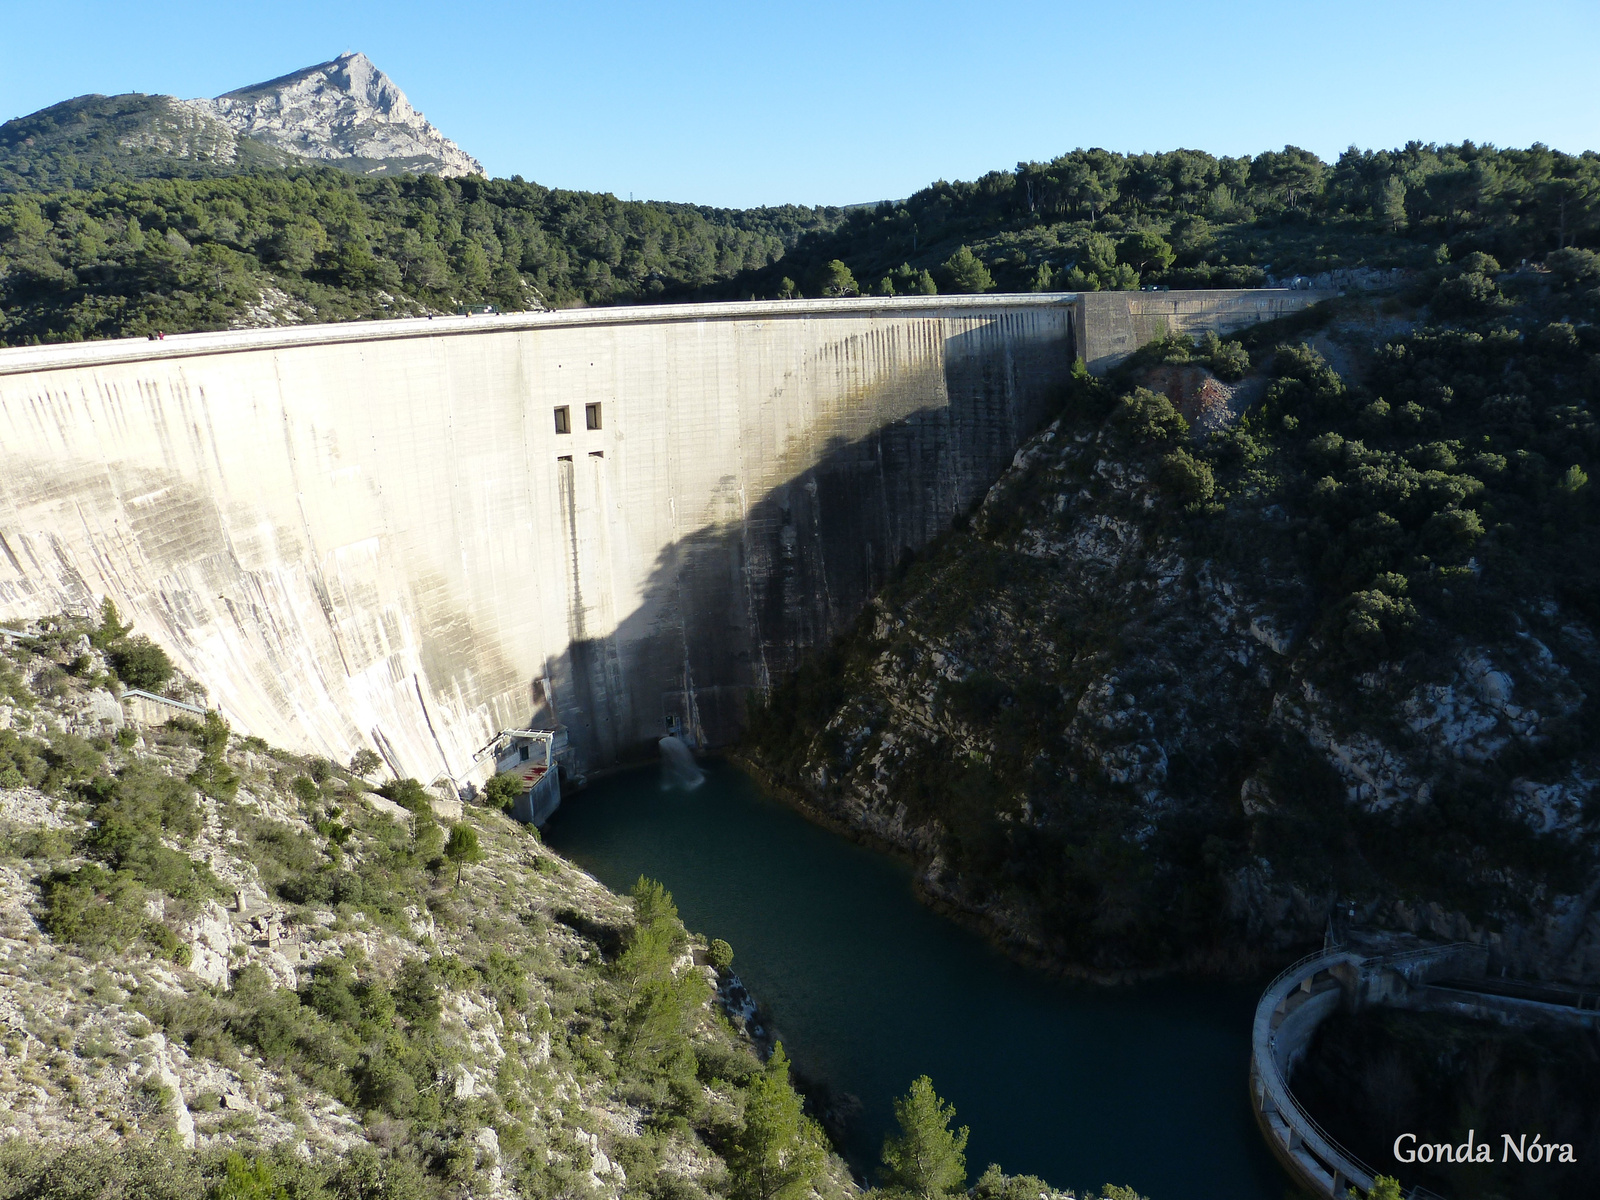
(407, 535)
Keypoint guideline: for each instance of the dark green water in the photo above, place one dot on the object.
(1142, 1086)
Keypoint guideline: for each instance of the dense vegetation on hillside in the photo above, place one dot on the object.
(316, 244)
(459, 1010)
(146, 241)
(1093, 219)
(1173, 690)
(95, 141)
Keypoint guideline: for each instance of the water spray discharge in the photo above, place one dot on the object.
(678, 768)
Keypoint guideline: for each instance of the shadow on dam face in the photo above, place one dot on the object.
(734, 606)
(376, 535)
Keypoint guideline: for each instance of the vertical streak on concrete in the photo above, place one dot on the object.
(325, 524)
(609, 572)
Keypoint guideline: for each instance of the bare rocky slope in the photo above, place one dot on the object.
(211, 946)
(1215, 662)
(346, 113)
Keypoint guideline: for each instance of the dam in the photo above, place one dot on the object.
(408, 535)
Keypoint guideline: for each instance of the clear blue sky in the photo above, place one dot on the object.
(750, 103)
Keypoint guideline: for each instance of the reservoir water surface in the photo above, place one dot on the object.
(868, 989)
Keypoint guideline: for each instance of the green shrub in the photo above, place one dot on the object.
(140, 663)
(408, 793)
(24, 758)
(330, 992)
(50, 683)
(70, 761)
(1187, 479)
(137, 1170)
(416, 994)
(12, 684)
(95, 909)
(167, 943)
(1573, 265)
(249, 1179)
(1228, 360)
(364, 762)
(502, 791)
(1143, 417)
(995, 1184)
(135, 814)
(187, 726)
(505, 980)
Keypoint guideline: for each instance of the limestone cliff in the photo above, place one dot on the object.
(1173, 700)
(345, 112)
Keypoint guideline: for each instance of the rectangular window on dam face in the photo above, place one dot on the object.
(591, 416)
(563, 420)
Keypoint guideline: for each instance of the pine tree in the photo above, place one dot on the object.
(967, 272)
(1383, 1188)
(928, 1160)
(837, 280)
(111, 627)
(657, 1004)
(462, 848)
(1392, 203)
(779, 1154)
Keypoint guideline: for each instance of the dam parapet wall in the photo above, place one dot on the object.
(1113, 325)
(406, 535)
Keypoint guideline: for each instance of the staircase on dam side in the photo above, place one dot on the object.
(409, 535)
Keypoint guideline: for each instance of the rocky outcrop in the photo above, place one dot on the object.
(1121, 742)
(346, 113)
(201, 1019)
(172, 127)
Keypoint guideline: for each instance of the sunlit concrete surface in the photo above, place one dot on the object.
(372, 534)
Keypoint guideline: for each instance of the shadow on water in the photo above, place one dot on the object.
(1143, 1086)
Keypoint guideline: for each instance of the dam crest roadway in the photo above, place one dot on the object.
(407, 535)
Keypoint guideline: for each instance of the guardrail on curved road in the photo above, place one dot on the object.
(1289, 1011)
(1292, 1006)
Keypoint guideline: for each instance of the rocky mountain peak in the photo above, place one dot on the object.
(345, 112)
